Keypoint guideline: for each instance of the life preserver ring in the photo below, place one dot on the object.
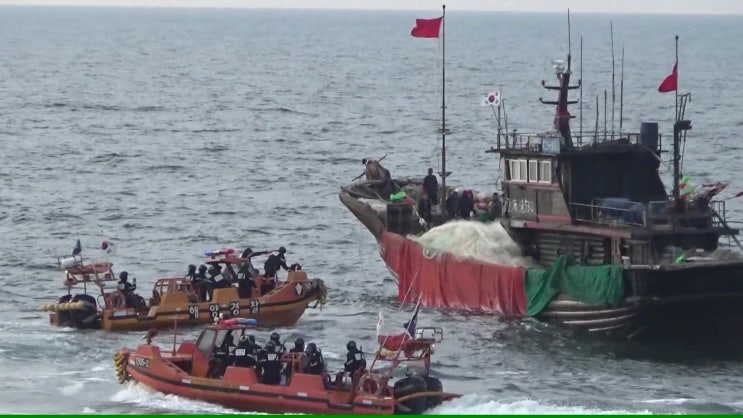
(370, 384)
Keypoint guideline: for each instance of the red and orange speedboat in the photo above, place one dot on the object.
(176, 298)
(185, 371)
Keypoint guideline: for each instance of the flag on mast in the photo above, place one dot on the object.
(427, 28)
(670, 83)
(78, 248)
(492, 99)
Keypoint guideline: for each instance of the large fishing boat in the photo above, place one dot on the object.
(614, 252)
(195, 369)
(114, 308)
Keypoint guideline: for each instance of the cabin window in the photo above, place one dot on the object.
(533, 170)
(545, 172)
(518, 170)
(206, 343)
(220, 337)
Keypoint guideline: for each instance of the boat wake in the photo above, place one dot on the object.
(146, 398)
(480, 241)
(483, 404)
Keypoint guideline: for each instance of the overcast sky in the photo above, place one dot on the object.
(576, 6)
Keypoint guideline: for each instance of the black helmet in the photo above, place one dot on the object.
(217, 267)
(270, 346)
(351, 345)
(244, 337)
(282, 250)
(275, 337)
(311, 348)
(202, 269)
(123, 275)
(191, 268)
(299, 342)
(363, 161)
(247, 252)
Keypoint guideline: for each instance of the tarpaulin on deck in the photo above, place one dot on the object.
(445, 280)
(597, 285)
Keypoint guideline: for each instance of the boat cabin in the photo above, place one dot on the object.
(599, 197)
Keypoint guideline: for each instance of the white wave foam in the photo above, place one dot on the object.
(141, 395)
(480, 241)
(72, 389)
(672, 401)
(482, 404)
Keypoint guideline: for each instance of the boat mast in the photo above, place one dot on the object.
(613, 66)
(676, 135)
(580, 99)
(443, 106)
(621, 94)
(562, 115)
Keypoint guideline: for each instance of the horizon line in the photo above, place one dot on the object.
(160, 5)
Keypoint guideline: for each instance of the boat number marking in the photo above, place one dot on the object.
(142, 362)
(235, 309)
(254, 305)
(193, 312)
(523, 206)
(214, 309)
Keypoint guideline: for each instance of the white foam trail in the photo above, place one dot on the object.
(482, 404)
(72, 389)
(138, 394)
(673, 401)
(480, 241)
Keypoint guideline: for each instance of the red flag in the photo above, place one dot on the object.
(670, 83)
(427, 28)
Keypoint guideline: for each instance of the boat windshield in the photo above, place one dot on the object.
(206, 342)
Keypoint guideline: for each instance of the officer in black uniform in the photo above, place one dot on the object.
(315, 362)
(245, 352)
(354, 359)
(269, 363)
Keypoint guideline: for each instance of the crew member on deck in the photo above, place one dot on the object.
(315, 363)
(126, 288)
(298, 346)
(202, 283)
(247, 258)
(431, 187)
(272, 266)
(276, 339)
(245, 352)
(269, 363)
(223, 355)
(354, 359)
(191, 275)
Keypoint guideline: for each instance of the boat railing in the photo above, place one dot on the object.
(718, 206)
(611, 211)
(550, 142)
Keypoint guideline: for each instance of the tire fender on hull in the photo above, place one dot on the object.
(408, 386)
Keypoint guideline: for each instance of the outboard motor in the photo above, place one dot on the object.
(408, 386)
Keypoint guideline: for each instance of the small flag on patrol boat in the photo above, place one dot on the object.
(78, 248)
(109, 247)
(492, 99)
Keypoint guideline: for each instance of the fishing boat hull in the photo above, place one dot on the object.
(684, 301)
(281, 307)
(240, 388)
